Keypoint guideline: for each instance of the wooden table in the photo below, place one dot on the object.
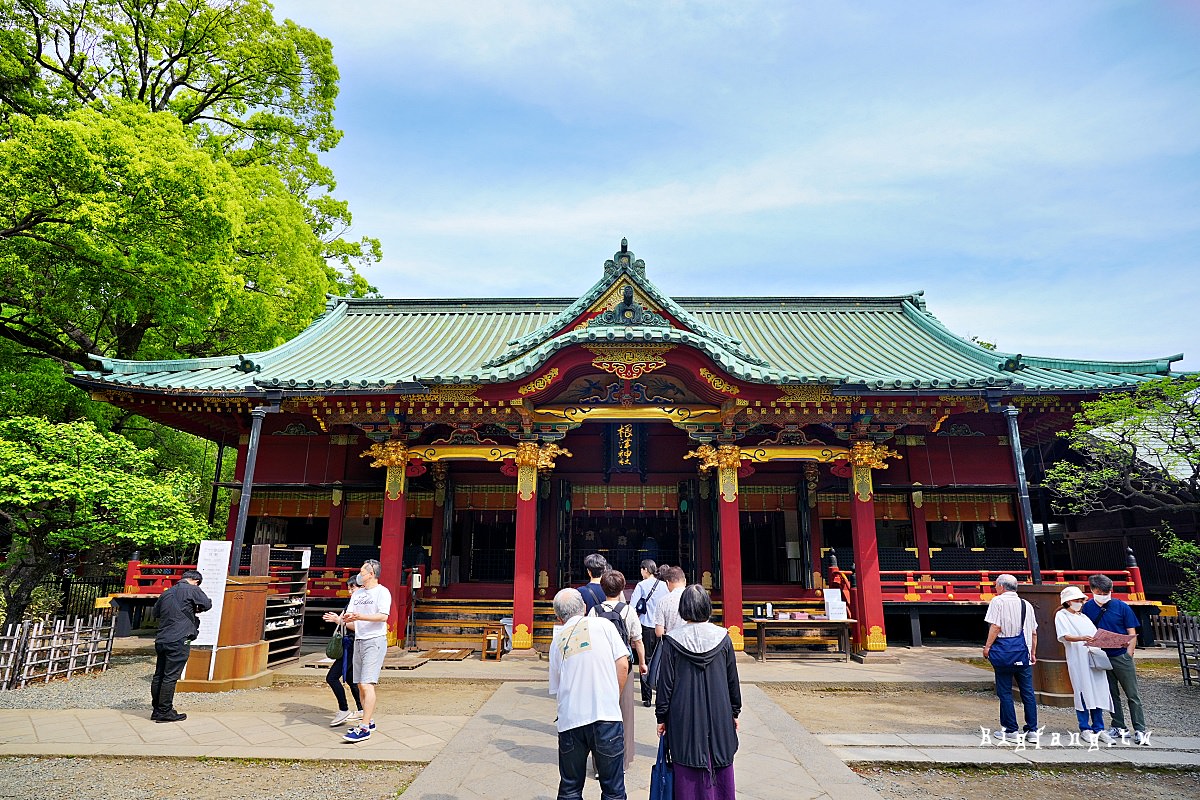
(836, 627)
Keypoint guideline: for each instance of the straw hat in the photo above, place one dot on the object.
(1071, 593)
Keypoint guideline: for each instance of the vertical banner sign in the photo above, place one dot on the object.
(623, 448)
(213, 564)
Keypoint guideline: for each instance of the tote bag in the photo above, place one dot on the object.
(334, 648)
(662, 776)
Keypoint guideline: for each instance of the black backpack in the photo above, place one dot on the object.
(615, 618)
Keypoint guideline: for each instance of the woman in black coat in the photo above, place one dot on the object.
(699, 699)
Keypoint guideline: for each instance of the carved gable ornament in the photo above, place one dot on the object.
(629, 314)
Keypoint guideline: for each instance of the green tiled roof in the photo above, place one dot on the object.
(880, 343)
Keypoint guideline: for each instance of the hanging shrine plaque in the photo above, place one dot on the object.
(624, 449)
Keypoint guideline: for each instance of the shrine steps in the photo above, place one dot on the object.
(445, 623)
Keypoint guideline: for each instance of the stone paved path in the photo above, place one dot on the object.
(509, 751)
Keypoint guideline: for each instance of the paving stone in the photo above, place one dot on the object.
(881, 754)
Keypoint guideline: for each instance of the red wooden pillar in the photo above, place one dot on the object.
(728, 512)
(394, 456)
(525, 554)
(864, 456)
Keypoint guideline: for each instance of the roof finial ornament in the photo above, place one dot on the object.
(624, 259)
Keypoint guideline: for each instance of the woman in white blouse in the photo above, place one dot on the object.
(1088, 684)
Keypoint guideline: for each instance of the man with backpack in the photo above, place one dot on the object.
(622, 616)
(644, 600)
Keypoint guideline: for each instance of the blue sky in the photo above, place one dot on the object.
(1034, 167)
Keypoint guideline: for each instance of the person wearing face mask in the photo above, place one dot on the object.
(1110, 614)
(1089, 684)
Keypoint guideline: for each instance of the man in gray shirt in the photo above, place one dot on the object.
(666, 615)
(176, 612)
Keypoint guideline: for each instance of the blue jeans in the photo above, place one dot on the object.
(606, 742)
(1095, 725)
(1004, 685)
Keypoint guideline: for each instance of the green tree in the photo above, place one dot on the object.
(1186, 555)
(1134, 450)
(118, 237)
(70, 494)
(253, 90)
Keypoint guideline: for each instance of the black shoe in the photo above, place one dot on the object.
(170, 716)
(646, 703)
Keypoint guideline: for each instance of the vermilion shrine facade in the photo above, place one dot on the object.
(768, 445)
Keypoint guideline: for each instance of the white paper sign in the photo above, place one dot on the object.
(213, 564)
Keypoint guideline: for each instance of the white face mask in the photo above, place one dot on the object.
(1101, 599)
(1075, 605)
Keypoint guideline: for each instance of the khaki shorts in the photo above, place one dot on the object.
(368, 658)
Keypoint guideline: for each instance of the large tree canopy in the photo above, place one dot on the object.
(119, 237)
(70, 494)
(1134, 450)
(160, 158)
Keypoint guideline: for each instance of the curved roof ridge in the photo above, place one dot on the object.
(998, 359)
(335, 310)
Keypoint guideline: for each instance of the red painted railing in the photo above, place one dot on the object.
(977, 585)
(140, 578)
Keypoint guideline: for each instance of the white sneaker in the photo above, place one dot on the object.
(1141, 737)
(1089, 737)
(339, 719)
(356, 714)
(1104, 737)
(1001, 737)
(1033, 737)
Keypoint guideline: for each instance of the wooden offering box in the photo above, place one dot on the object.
(241, 656)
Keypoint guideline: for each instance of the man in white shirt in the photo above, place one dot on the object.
(1012, 619)
(368, 610)
(589, 665)
(649, 591)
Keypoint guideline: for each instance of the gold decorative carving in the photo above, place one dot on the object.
(967, 402)
(812, 478)
(706, 581)
(537, 384)
(435, 578)
(392, 453)
(336, 498)
(630, 361)
(870, 455)
(522, 639)
(805, 393)
(706, 457)
(736, 637)
(876, 640)
(343, 439)
(543, 579)
(718, 383)
(458, 393)
(864, 457)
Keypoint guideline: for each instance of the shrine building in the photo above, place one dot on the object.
(770, 446)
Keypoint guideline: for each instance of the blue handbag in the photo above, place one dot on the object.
(662, 776)
(1011, 651)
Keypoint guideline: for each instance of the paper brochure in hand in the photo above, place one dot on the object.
(1108, 639)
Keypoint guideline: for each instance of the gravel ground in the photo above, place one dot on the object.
(126, 685)
(903, 783)
(1172, 709)
(198, 779)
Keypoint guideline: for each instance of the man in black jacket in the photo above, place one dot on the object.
(176, 611)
